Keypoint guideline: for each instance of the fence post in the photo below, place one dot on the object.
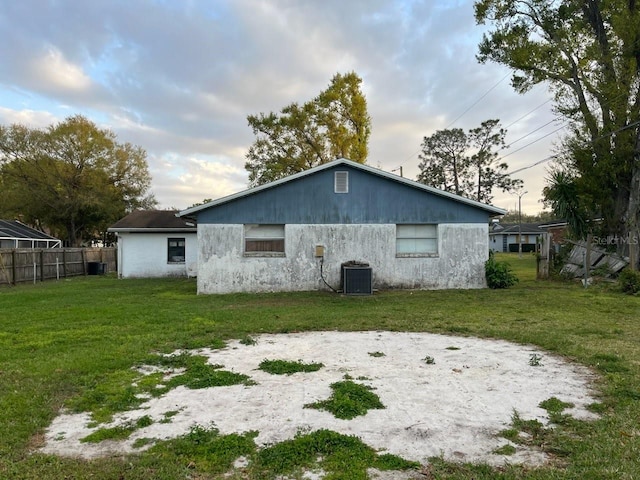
(42, 265)
(84, 262)
(13, 266)
(64, 263)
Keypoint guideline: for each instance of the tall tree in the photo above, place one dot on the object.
(466, 163)
(72, 177)
(444, 162)
(588, 52)
(334, 124)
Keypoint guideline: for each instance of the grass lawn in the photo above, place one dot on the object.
(73, 343)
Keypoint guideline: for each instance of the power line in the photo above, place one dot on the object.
(531, 143)
(473, 105)
(544, 160)
(551, 157)
(527, 114)
(477, 101)
(531, 133)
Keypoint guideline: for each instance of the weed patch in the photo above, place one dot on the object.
(205, 450)
(332, 452)
(349, 400)
(120, 432)
(285, 367)
(505, 450)
(248, 340)
(554, 405)
(535, 360)
(115, 393)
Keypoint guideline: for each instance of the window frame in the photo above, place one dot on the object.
(267, 236)
(177, 248)
(418, 236)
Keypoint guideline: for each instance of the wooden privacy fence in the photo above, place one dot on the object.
(21, 265)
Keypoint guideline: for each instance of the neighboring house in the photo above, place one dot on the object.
(296, 233)
(14, 234)
(505, 237)
(155, 243)
(558, 230)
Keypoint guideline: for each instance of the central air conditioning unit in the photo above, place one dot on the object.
(357, 279)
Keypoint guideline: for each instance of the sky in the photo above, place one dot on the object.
(179, 79)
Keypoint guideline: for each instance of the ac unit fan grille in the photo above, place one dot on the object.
(357, 280)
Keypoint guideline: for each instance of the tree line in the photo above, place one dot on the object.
(71, 179)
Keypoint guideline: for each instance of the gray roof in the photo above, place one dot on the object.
(515, 228)
(153, 221)
(14, 229)
(343, 161)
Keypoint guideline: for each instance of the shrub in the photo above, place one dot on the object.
(629, 281)
(499, 274)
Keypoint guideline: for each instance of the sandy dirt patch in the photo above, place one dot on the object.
(452, 408)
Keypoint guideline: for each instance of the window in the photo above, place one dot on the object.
(264, 239)
(176, 250)
(341, 182)
(414, 240)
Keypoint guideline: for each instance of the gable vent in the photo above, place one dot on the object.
(341, 182)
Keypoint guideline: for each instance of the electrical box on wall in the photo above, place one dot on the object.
(319, 250)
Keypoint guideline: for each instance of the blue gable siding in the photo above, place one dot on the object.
(372, 199)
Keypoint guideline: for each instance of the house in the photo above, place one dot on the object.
(15, 234)
(155, 243)
(505, 237)
(300, 232)
(558, 230)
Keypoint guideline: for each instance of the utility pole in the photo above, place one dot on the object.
(520, 194)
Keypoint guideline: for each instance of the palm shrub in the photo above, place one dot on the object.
(499, 274)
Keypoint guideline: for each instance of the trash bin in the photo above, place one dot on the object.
(92, 268)
(96, 268)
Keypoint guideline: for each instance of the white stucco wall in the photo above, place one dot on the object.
(223, 267)
(145, 255)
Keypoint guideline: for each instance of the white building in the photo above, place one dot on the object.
(156, 243)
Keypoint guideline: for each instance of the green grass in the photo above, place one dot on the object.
(348, 400)
(286, 367)
(340, 456)
(73, 344)
(127, 389)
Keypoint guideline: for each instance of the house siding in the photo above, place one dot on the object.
(144, 255)
(223, 267)
(371, 199)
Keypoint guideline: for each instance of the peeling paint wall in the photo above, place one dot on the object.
(223, 267)
(144, 255)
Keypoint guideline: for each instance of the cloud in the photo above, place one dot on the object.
(180, 78)
(57, 73)
(35, 119)
(180, 182)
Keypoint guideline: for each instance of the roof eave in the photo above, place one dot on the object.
(152, 230)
